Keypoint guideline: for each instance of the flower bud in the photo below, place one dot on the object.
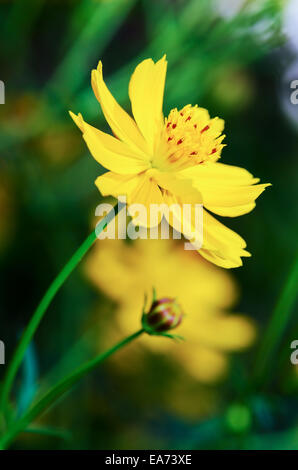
(164, 314)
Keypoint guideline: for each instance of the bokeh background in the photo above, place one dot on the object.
(230, 384)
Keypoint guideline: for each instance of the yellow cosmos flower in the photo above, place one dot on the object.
(173, 160)
(203, 291)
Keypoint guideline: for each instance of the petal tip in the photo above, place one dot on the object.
(78, 120)
(96, 73)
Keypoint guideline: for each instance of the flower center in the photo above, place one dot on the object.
(190, 137)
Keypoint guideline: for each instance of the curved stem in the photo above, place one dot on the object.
(45, 302)
(61, 388)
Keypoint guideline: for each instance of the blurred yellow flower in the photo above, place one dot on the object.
(127, 271)
(58, 146)
(170, 161)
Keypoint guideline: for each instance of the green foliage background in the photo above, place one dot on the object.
(233, 65)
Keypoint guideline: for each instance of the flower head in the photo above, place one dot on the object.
(170, 161)
(164, 314)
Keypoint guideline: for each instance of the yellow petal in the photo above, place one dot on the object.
(184, 217)
(227, 332)
(231, 201)
(122, 125)
(109, 151)
(181, 188)
(233, 211)
(181, 197)
(146, 193)
(226, 190)
(112, 184)
(221, 245)
(219, 173)
(138, 189)
(146, 90)
(219, 260)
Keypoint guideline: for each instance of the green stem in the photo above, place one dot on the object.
(61, 388)
(51, 432)
(44, 304)
(280, 318)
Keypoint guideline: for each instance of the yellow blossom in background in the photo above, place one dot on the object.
(173, 160)
(125, 272)
(58, 146)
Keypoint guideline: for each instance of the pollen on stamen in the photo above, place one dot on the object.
(205, 129)
(192, 137)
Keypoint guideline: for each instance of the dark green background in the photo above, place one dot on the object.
(229, 66)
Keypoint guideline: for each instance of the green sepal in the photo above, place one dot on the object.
(151, 331)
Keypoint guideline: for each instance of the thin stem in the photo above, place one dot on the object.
(45, 302)
(61, 388)
(279, 321)
(51, 432)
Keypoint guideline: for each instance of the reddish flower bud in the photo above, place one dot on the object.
(164, 314)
